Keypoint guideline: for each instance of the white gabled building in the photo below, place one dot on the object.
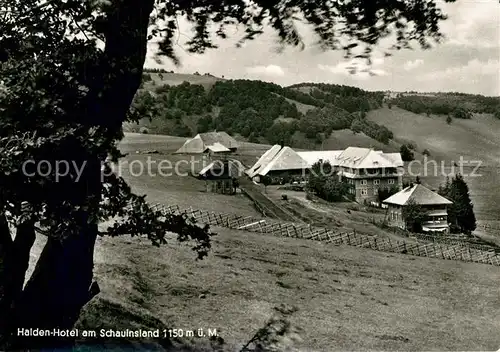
(278, 162)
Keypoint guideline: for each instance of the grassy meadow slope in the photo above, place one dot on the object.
(167, 179)
(342, 139)
(348, 298)
(474, 139)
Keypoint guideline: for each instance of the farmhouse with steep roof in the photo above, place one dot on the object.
(210, 142)
(277, 163)
(434, 206)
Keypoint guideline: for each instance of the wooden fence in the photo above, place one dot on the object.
(449, 240)
(488, 227)
(458, 250)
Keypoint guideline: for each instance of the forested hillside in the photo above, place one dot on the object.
(258, 111)
(457, 105)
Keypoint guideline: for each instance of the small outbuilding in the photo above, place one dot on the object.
(221, 176)
(434, 208)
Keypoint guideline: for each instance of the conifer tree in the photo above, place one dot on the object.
(461, 212)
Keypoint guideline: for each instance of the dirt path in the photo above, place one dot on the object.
(268, 207)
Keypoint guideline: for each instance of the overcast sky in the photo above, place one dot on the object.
(468, 61)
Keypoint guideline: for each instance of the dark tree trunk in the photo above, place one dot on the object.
(58, 289)
(5, 301)
(14, 262)
(62, 281)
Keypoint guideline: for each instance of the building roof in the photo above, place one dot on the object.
(199, 143)
(217, 148)
(312, 157)
(210, 138)
(395, 158)
(285, 159)
(277, 158)
(220, 169)
(365, 158)
(263, 160)
(419, 194)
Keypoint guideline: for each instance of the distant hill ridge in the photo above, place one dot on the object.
(304, 115)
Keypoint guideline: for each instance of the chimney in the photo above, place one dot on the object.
(282, 143)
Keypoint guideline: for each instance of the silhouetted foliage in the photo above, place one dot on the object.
(406, 153)
(325, 182)
(386, 192)
(461, 212)
(462, 113)
(413, 216)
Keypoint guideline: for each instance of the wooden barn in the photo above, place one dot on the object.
(221, 176)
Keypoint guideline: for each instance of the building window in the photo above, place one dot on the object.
(393, 217)
(364, 192)
(364, 182)
(376, 182)
(391, 181)
(375, 191)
